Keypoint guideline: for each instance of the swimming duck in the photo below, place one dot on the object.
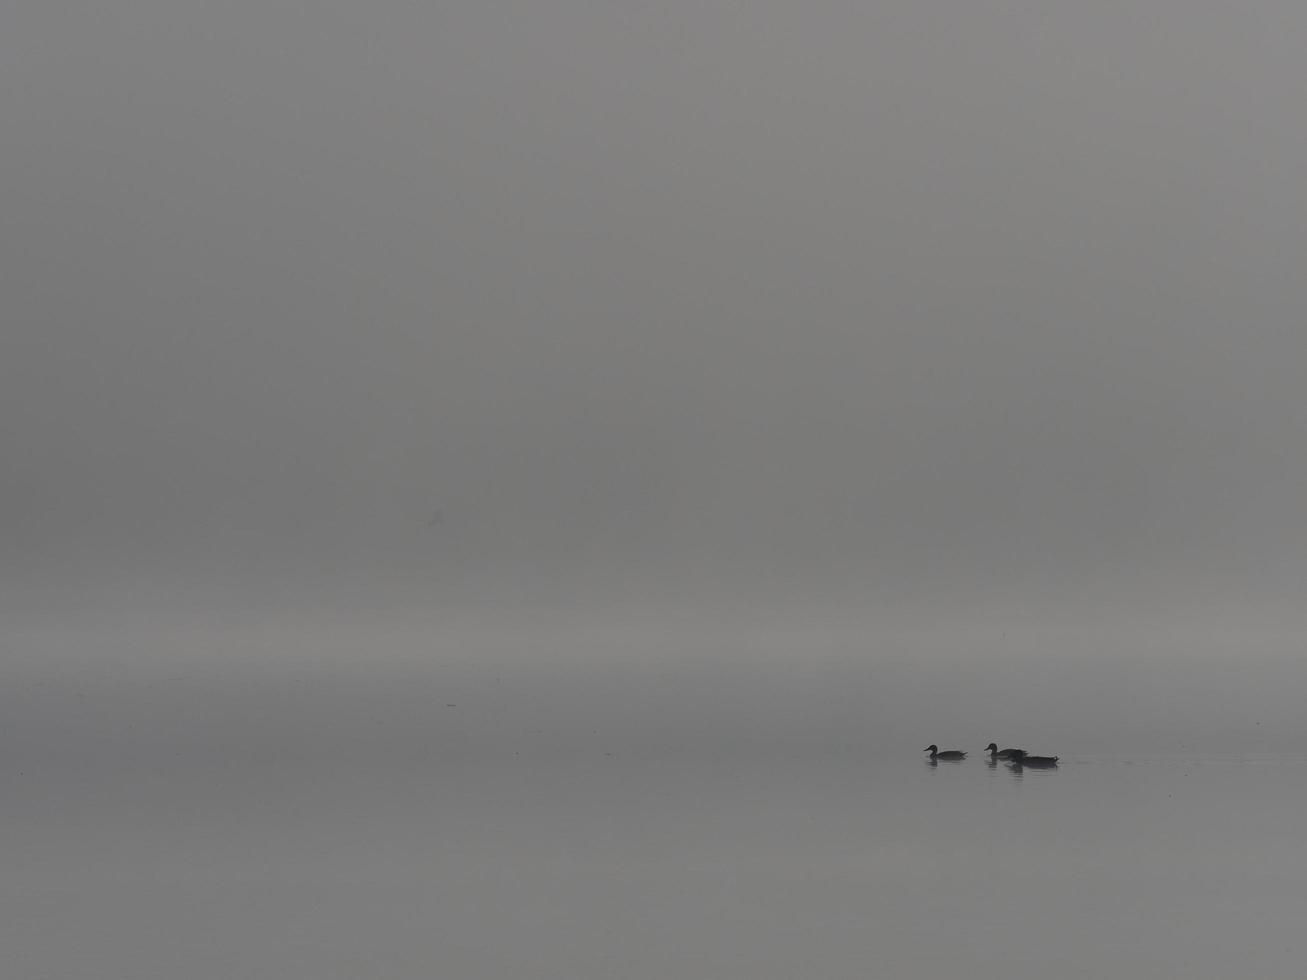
(996, 753)
(952, 754)
(1035, 761)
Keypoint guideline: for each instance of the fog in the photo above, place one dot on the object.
(554, 464)
(851, 300)
(954, 351)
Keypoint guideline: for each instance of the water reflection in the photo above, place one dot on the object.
(935, 763)
(1016, 767)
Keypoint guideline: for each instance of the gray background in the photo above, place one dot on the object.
(502, 489)
(950, 356)
(652, 301)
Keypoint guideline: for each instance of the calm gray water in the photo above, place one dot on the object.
(311, 804)
(575, 863)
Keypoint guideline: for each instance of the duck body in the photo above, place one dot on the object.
(1035, 761)
(996, 753)
(952, 755)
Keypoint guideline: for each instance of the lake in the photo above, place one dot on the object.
(576, 861)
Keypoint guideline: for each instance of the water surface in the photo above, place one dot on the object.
(578, 862)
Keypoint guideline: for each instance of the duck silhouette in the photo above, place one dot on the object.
(952, 755)
(996, 753)
(1022, 758)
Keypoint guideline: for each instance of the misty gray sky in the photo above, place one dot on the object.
(797, 384)
(654, 296)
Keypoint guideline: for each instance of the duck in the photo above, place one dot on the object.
(1022, 758)
(996, 753)
(951, 754)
